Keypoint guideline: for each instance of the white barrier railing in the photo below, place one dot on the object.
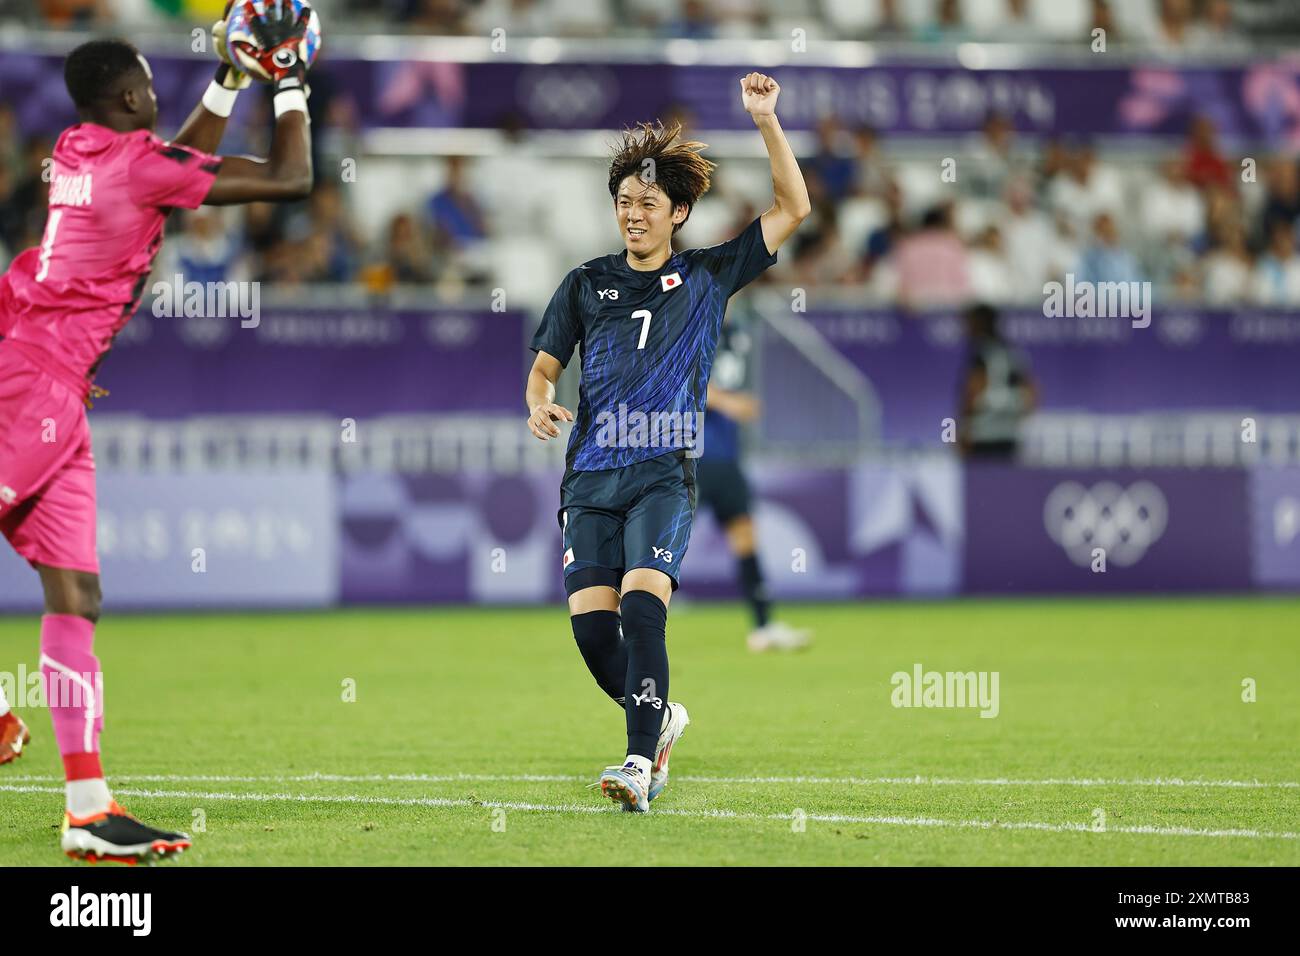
(406, 443)
(1191, 439)
(452, 444)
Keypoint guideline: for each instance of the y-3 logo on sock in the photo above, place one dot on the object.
(647, 695)
(663, 554)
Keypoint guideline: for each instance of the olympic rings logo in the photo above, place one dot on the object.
(1124, 522)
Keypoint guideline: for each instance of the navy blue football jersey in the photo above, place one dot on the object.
(646, 341)
(730, 373)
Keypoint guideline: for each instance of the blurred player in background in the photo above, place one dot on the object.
(648, 322)
(997, 393)
(725, 489)
(61, 304)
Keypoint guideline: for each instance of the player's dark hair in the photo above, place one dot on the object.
(982, 319)
(96, 69)
(652, 153)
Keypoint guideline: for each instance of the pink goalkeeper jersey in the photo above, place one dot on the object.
(62, 302)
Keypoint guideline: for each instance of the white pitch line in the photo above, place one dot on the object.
(694, 814)
(1002, 782)
(686, 778)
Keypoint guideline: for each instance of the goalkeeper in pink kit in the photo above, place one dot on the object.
(113, 183)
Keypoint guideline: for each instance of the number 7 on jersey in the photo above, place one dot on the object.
(644, 316)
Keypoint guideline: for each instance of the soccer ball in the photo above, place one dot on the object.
(246, 52)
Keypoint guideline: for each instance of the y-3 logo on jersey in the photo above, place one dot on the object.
(611, 293)
(663, 554)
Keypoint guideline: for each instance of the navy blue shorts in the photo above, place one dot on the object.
(624, 518)
(724, 489)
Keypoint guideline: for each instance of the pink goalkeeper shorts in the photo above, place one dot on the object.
(47, 471)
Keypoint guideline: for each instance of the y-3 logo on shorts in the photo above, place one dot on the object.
(7, 495)
(663, 554)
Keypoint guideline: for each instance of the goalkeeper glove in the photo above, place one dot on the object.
(282, 42)
(228, 75)
(228, 80)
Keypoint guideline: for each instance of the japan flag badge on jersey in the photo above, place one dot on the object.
(670, 281)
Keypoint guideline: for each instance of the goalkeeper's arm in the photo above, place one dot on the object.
(206, 124)
(286, 173)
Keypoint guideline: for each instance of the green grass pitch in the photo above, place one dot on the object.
(1122, 738)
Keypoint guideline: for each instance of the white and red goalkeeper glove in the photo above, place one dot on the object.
(228, 75)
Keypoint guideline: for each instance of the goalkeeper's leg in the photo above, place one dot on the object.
(95, 827)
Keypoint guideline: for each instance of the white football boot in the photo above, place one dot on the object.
(627, 785)
(776, 636)
(674, 726)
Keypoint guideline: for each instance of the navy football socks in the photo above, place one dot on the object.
(603, 648)
(645, 620)
(751, 583)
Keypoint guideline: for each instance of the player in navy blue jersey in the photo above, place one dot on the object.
(646, 322)
(724, 488)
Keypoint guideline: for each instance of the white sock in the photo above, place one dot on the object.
(642, 763)
(88, 797)
(4, 702)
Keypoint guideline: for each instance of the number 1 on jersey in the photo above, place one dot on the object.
(644, 316)
(47, 247)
